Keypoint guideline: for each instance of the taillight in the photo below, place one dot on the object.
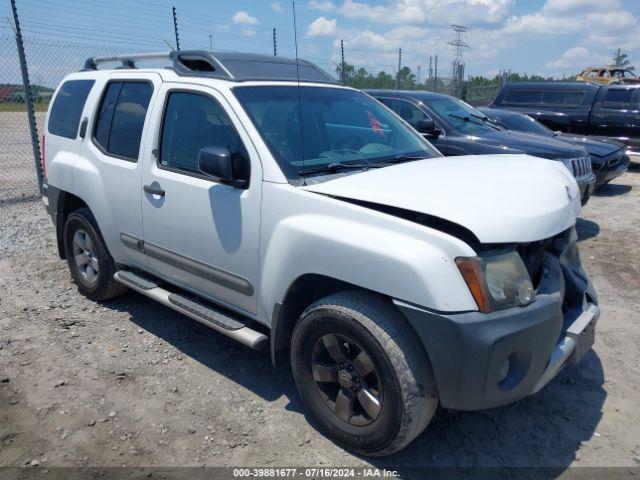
(43, 164)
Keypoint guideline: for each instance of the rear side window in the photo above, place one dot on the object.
(523, 96)
(121, 116)
(618, 98)
(66, 110)
(563, 97)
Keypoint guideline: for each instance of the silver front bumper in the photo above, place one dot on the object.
(571, 349)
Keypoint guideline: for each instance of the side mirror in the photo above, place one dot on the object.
(427, 127)
(216, 162)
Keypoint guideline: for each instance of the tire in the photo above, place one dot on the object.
(402, 381)
(89, 260)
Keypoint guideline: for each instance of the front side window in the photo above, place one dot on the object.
(121, 118)
(523, 96)
(332, 125)
(193, 121)
(66, 110)
(409, 112)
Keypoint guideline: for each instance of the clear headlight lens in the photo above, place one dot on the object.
(497, 280)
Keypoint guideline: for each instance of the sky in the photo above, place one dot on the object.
(547, 37)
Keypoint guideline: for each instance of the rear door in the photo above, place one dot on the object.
(108, 173)
(616, 113)
(200, 234)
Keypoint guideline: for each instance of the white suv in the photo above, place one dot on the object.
(259, 197)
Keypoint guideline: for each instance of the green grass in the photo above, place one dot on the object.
(21, 107)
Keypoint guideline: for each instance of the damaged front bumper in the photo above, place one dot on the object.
(486, 360)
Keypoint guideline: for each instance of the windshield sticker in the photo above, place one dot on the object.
(375, 124)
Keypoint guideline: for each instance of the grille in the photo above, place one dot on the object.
(580, 166)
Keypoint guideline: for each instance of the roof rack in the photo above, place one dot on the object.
(232, 66)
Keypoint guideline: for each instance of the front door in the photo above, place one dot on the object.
(198, 233)
(616, 113)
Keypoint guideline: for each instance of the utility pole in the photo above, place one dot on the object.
(457, 66)
(430, 81)
(399, 68)
(28, 98)
(275, 44)
(343, 76)
(211, 43)
(419, 67)
(175, 28)
(435, 75)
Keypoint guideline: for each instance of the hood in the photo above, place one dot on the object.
(499, 198)
(595, 147)
(531, 144)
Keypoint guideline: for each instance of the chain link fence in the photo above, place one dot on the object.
(48, 63)
(18, 177)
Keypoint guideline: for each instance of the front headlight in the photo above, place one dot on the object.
(497, 280)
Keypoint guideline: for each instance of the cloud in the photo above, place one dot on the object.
(322, 5)
(429, 11)
(244, 18)
(576, 58)
(323, 27)
(277, 7)
(580, 6)
(248, 32)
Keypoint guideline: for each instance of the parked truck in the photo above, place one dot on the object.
(607, 111)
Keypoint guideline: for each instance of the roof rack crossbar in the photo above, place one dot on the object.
(234, 66)
(128, 61)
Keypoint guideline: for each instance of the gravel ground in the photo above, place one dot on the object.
(129, 382)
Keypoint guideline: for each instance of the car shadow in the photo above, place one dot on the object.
(611, 190)
(545, 429)
(248, 368)
(586, 229)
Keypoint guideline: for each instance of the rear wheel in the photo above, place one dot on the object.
(89, 260)
(362, 373)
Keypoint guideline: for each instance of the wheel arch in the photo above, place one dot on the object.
(302, 292)
(62, 204)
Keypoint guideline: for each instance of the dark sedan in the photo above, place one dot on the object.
(608, 157)
(456, 128)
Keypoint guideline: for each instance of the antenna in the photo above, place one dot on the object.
(295, 38)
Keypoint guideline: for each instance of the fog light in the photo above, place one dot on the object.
(504, 370)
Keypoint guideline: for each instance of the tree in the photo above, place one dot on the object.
(622, 60)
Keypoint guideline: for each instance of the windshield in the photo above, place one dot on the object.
(524, 123)
(339, 127)
(460, 116)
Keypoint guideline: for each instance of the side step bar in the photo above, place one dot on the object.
(206, 314)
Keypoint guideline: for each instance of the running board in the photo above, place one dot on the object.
(218, 320)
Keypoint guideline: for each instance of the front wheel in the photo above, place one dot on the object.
(362, 373)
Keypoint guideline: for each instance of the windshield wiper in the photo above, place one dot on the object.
(466, 119)
(335, 166)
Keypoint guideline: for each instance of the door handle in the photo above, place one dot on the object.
(153, 190)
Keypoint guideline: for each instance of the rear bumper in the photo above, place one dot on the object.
(487, 360)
